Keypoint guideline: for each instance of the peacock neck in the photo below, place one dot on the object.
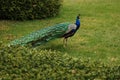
(77, 23)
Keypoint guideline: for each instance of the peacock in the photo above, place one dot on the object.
(62, 30)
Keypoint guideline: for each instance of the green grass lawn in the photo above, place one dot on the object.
(97, 39)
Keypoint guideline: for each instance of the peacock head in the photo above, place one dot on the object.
(78, 17)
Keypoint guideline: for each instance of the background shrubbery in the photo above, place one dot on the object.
(28, 9)
(24, 63)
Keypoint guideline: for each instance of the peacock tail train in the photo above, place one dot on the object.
(43, 35)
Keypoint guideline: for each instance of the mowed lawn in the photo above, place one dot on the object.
(97, 39)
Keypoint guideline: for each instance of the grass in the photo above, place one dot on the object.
(97, 39)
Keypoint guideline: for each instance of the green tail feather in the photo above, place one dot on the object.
(43, 35)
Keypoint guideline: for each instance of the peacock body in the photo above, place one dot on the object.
(46, 34)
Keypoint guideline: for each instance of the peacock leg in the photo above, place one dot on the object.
(65, 42)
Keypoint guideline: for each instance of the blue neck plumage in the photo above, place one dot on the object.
(77, 23)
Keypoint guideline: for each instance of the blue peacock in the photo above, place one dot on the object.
(62, 30)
